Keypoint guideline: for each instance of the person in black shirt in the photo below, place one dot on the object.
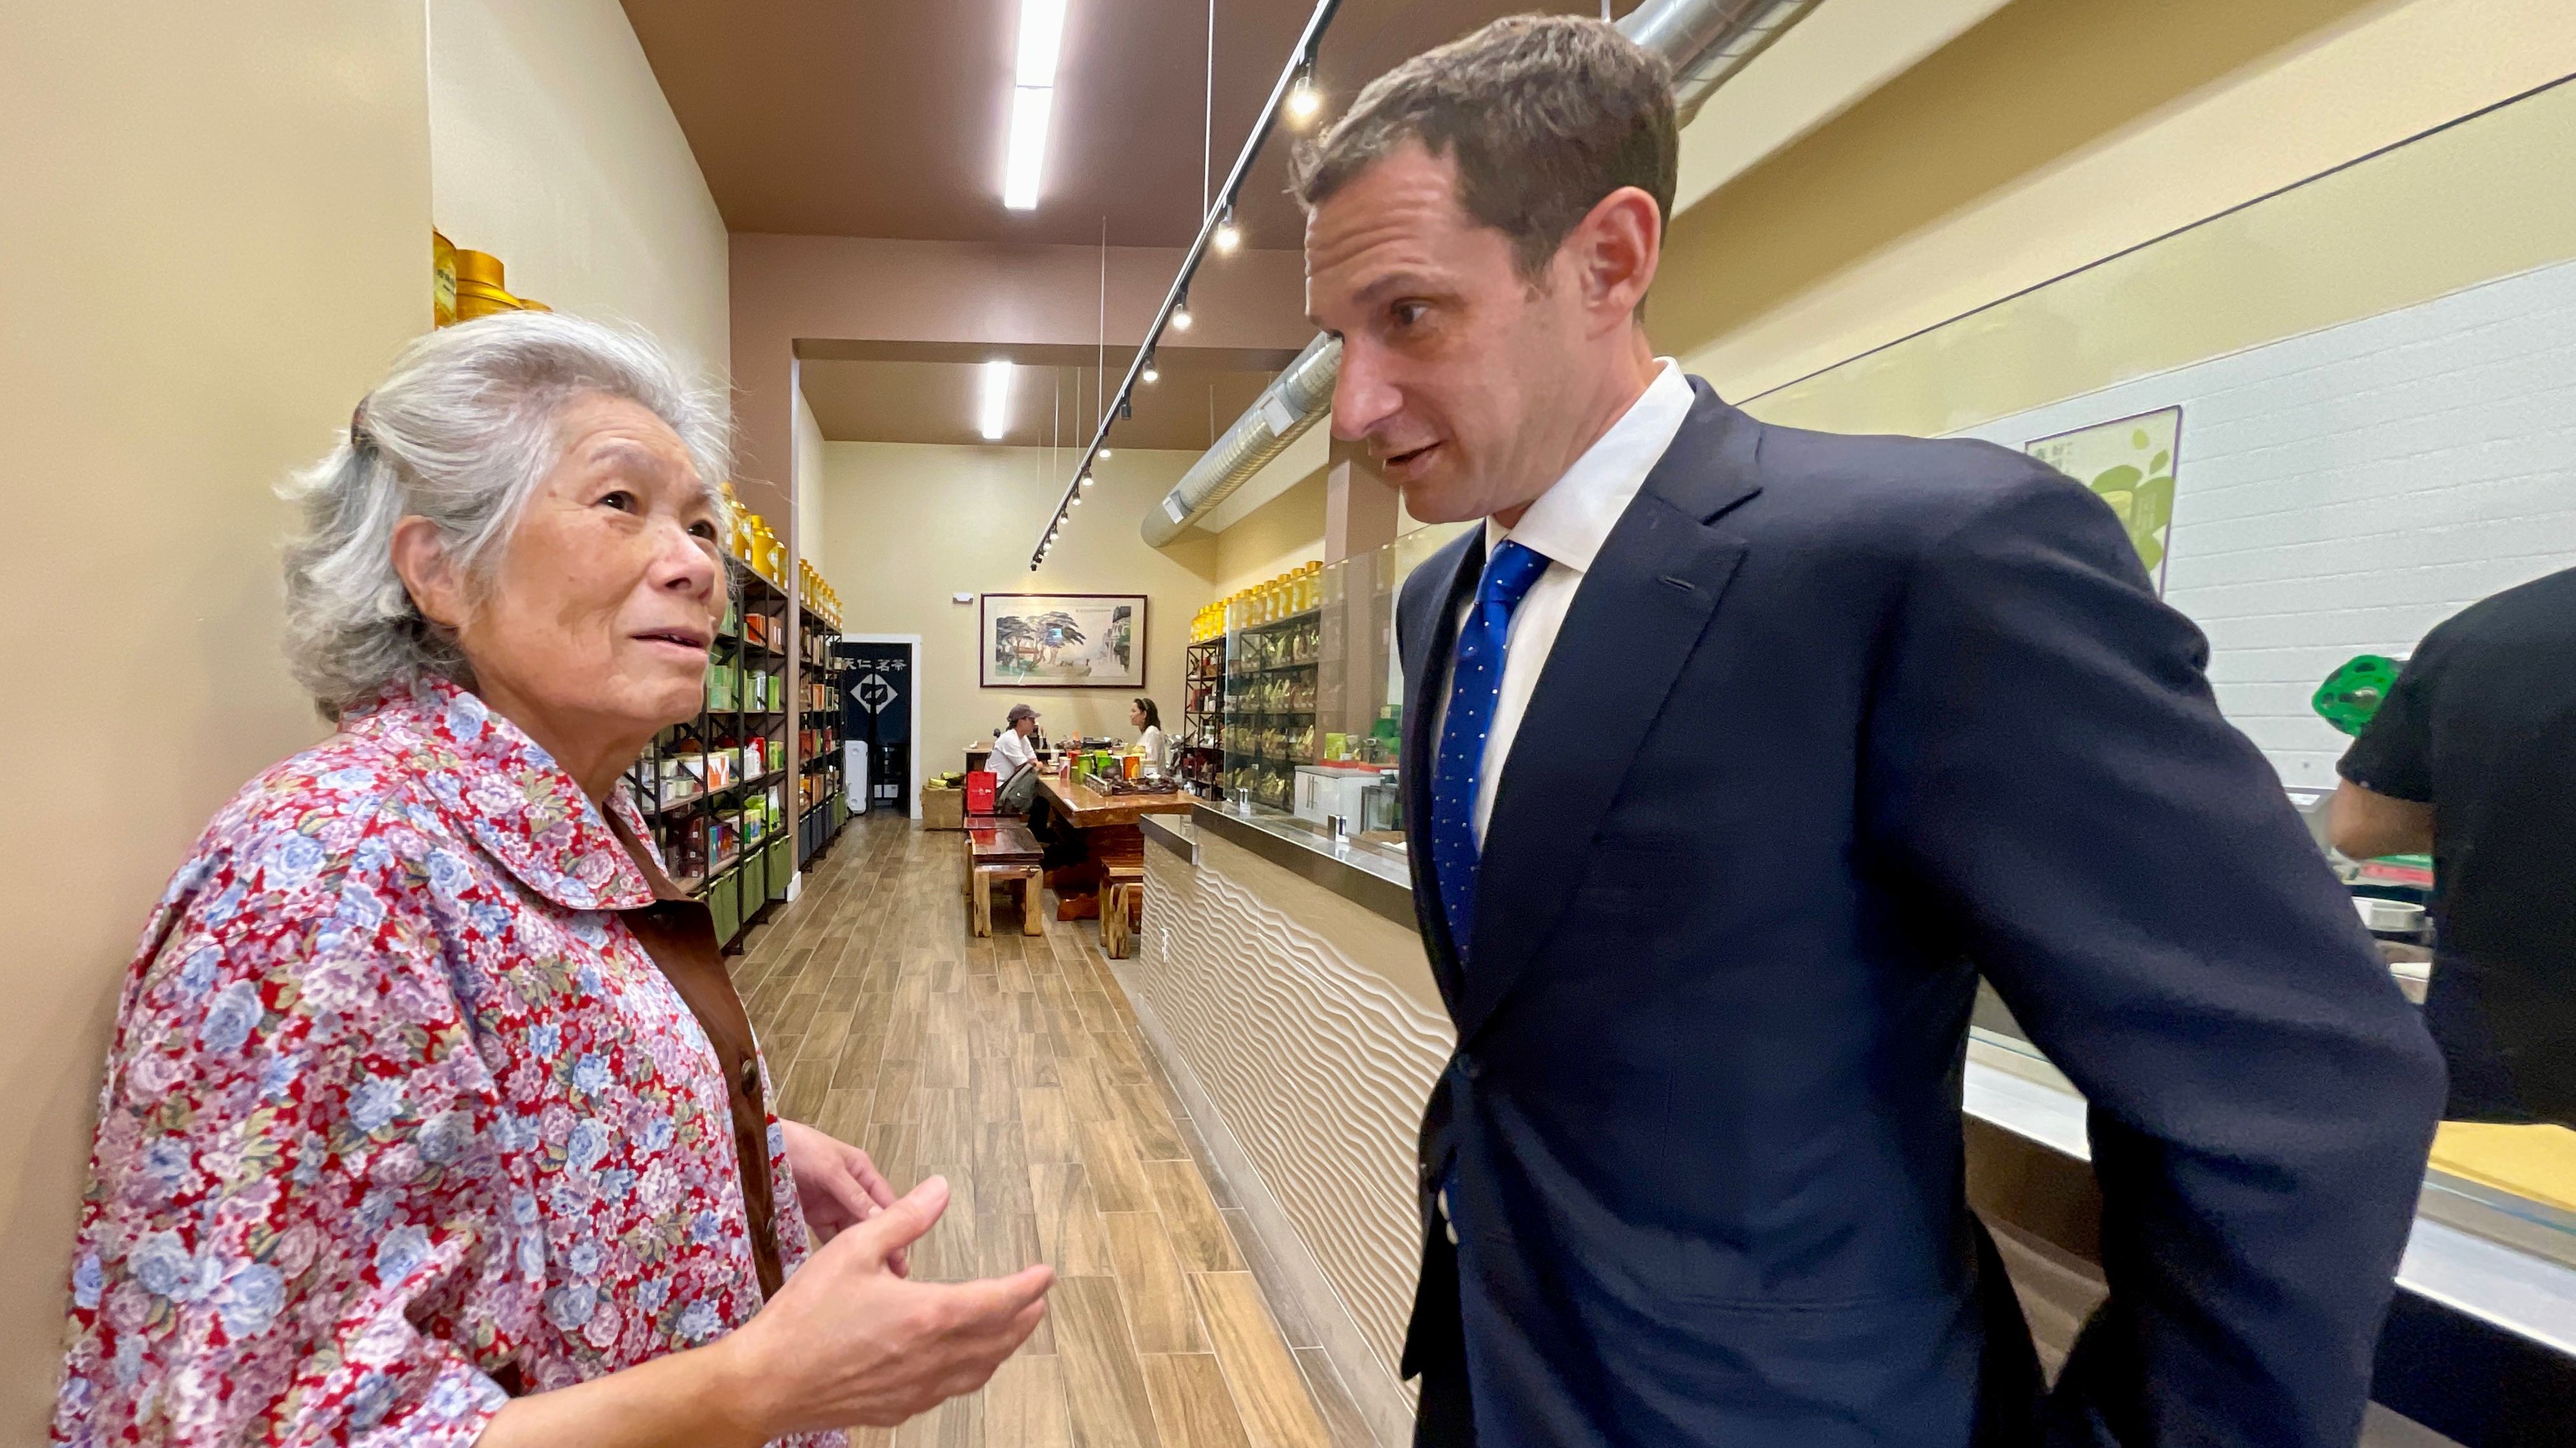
(2473, 757)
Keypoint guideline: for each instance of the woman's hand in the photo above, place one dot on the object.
(848, 1341)
(836, 1184)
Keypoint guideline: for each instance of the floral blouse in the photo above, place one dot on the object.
(398, 1111)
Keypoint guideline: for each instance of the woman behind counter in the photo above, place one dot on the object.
(431, 1115)
(1152, 743)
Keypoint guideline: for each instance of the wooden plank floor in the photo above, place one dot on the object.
(1013, 1066)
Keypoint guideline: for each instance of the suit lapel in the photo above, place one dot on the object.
(1640, 612)
(1448, 577)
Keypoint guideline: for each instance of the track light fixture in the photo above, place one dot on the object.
(1303, 99)
(1294, 98)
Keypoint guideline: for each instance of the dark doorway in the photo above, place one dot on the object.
(876, 716)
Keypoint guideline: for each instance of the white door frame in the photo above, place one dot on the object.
(915, 640)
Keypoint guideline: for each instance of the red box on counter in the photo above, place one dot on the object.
(979, 792)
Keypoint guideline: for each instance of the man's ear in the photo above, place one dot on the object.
(420, 557)
(1617, 246)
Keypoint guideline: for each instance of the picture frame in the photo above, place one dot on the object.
(2131, 463)
(1061, 641)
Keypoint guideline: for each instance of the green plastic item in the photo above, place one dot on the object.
(2354, 692)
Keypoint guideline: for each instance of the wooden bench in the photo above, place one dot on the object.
(1122, 906)
(1002, 850)
(972, 823)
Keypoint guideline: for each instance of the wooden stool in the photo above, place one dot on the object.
(1032, 918)
(1002, 850)
(1122, 908)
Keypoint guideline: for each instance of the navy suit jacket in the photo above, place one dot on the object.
(1833, 726)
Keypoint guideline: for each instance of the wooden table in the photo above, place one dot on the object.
(1107, 823)
(1086, 808)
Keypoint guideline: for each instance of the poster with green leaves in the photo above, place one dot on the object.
(2130, 463)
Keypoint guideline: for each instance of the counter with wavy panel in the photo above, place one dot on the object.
(1312, 1028)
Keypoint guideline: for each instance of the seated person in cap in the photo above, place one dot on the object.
(1013, 748)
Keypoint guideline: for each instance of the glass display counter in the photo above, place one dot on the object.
(1272, 659)
(1312, 678)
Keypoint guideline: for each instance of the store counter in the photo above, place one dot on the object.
(1282, 984)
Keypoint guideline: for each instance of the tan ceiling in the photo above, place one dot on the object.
(873, 400)
(886, 118)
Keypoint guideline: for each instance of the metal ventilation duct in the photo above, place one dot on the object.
(1707, 41)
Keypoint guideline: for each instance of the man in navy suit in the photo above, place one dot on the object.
(1735, 755)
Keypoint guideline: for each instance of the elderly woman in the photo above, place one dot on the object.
(432, 1116)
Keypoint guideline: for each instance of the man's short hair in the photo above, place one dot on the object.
(1543, 114)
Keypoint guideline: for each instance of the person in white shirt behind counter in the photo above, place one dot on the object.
(1011, 747)
(1153, 743)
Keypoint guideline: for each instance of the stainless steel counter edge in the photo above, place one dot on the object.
(2010, 1085)
(1357, 873)
(1173, 833)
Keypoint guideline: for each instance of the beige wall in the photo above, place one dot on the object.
(814, 529)
(552, 148)
(2057, 133)
(218, 231)
(2468, 204)
(912, 524)
(1283, 534)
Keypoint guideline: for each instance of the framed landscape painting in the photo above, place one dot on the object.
(1063, 641)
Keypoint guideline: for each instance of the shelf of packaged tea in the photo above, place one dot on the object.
(674, 806)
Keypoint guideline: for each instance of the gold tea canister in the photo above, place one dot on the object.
(480, 268)
(479, 292)
(442, 261)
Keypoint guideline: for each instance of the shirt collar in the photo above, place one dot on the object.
(1573, 518)
(505, 790)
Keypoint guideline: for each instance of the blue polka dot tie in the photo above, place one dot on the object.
(1476, 683)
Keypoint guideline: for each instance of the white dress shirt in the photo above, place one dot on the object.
(1156, 747)
(1010, 751)
(1567, 526)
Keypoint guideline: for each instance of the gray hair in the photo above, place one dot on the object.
(460, 432)
(1543, 114)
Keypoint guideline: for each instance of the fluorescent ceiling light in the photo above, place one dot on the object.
(1041, 41)
(993, 410)
(1032, 100)
(1029, 107)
